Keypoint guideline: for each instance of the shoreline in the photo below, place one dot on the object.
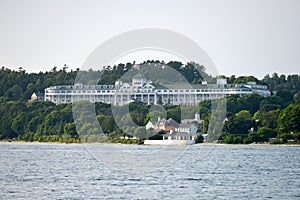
(198, 144)
(223, 144)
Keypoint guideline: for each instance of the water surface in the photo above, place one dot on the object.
(72, 171)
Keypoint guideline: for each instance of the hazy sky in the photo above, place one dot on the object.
(249, 37)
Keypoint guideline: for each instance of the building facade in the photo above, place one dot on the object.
(142, 90)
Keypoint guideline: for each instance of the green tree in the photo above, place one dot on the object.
(107, 123)
(140, 132)
(269, 119)
(70, 129)
(8, 111)
(240, 123)
(265, 133)
(19, 123)
(297, 98)
(289, 119)
(199, 139)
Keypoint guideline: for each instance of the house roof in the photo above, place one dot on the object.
(171, 122)
(161, 122)
(176, 133)
(37, 94)
(185, 125)
(33, 95)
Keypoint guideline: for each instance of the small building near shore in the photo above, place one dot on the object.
(163, 124)
(184, 134)
(190, 128)
(180, 136)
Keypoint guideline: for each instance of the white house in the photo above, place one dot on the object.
(142, 90)
(190, 129)
(184, 134)
(179, 138)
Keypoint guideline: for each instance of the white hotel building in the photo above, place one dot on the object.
(142, 90)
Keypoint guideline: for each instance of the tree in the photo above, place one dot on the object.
(297, 98)
(154, 135)
(174, 112)
(269, 119)
(107, 123)
(286, 96)
(245, 79)
(265, 133)
(154, 115)
(14, 93)
(8, 111)
(140, 132)
(199, 139)
(240, 123)
(19, 123)
(250, 102)
(289, 119)
(70, 129)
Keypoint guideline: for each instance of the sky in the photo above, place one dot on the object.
(249, 37)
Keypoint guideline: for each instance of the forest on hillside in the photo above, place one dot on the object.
(250, 118)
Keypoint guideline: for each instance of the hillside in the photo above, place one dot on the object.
(249, 118)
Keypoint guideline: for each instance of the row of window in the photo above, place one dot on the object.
(203, 90)
(148, 90)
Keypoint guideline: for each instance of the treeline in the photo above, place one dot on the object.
(256, 119)
(249, 118)
(19, 85)
(46, 122)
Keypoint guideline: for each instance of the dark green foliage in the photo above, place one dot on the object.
(157, 136)
(107, 123)
(269, 119)
(70, 129)
(265, 133)
(233, 139)
(140, 132)
(45, 121)
(8, 111)
(276, 83)
(245, 79)
(174, 112)
(297, 98)
(287, 97)
(19, 85)
(240, 123)
(289, 119)
(31, 120)
(199, 139)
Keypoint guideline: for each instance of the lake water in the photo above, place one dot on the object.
(76, 171)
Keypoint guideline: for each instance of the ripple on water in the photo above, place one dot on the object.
(59, 171)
